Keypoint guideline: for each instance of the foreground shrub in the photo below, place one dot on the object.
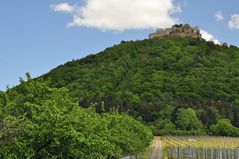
(41, 122)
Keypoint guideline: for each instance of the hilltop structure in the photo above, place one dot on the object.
(177, 31)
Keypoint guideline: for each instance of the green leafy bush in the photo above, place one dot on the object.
(42, 122)
(224, 128)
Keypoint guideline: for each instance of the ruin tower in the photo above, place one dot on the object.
(177, 31)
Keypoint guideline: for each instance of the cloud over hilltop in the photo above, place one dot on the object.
(209, 37)
(120, 15)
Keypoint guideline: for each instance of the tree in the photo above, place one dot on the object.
(56, 127)
(164, 127)
(187, 120)
(224, 128)
(129, 135)
(10, 126)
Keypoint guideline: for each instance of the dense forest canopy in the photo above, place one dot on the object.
(156, 80)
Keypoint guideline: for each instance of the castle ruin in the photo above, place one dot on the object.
(177, 31)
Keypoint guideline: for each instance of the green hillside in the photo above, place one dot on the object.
(156, 81)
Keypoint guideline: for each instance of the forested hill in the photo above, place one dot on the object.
(153, 79)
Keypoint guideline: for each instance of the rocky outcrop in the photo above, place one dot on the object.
(177, 31)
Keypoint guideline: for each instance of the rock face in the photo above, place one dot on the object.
(177, 31)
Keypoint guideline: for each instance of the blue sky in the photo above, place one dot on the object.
(38, 35)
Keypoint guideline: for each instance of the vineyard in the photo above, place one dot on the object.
(201, 141)
(200, 147)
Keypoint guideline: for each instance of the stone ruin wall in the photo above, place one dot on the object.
(177, 31)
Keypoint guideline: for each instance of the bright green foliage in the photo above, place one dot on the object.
(145, 77)
(187, 120)
(224, 128)
(42, 122)
(128, 134)
(10, 125)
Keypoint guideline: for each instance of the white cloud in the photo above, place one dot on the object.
(234, 21)
(120, 15)
(219, 16)
(209, 37)
(63, 7)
